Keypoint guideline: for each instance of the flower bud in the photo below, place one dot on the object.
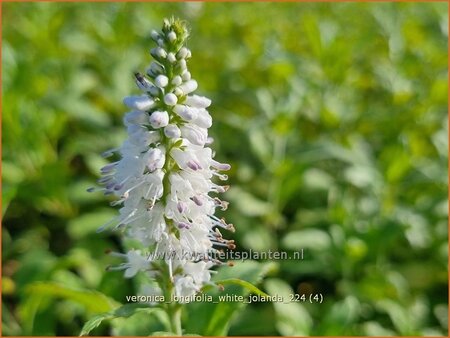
(155, 69)
(159, 119)
(155, 35)
(177, 80)
(142, 82)
(171, 57)
(161, 81)
(220, 166)
(154, 91)
(158, 53)
(197, 101)
(186, 113)
(182, 64)
(182, 53)
(189, 86)
(186, 76)
(166, 24)
(172, 131)
(183, 225)
(181, 207)
(171, 36)
(170, 99)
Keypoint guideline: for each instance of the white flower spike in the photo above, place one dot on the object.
(164, 177)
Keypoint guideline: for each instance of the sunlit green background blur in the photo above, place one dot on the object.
(333, 116)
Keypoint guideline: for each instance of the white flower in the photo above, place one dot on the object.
(142, 102)
(135, 263)
(185, 287)
(197, 101)
(195, 134)
(195, 159)
(199, 272)
(152, 230)
(203, 119)
(140, 137)
(135, 117)
(150, 291)
(166, 173)
(155, 158)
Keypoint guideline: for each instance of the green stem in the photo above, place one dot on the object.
(173, 309)
(173, 312)
(175, 318)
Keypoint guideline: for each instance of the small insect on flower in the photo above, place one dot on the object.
(164, 177)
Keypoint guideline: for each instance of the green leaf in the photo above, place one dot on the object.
(313, 34)
(399, 316)
(94, 322)
(163, 334)
(140, 324)
(341, 316)
(39, 296)
(373, 328)
(292, 319)
(247, 203)
(89, 223)
(314, 239)
(214, 319)
(259, 144)
(94, 301)
(123, 311)
(243, 283)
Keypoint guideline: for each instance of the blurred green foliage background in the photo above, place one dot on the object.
(333, 116)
